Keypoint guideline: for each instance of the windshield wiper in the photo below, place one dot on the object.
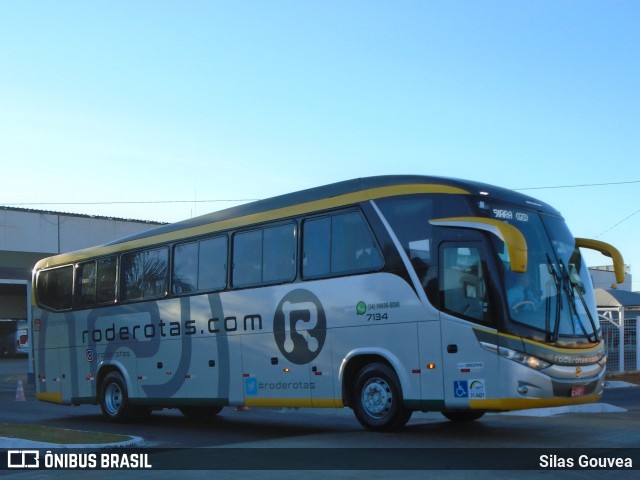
(570, 288)
(556, 279)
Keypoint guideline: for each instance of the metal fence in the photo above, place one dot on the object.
(619, 329)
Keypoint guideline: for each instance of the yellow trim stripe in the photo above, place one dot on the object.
(278, 213)
(567, 351)
(541, 344)
(51, 397)
(506, 404)
(294, 402)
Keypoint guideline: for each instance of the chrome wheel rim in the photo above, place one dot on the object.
(377, 397)
(113, 398)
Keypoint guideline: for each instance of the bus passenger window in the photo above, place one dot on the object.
(96, 282)
(199, 266)
(212, 264)
(247, 258)
(316, 247)
(144, 274)
(185, 268)
(279, 254)
(106, 280)
(339, 244)
(352, 245)
(85, 284)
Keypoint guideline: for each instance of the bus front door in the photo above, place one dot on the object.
(471, 373)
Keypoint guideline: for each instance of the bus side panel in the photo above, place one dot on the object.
(432, 386)
(52, 356)
(295, 337)
(324, 376)
(397, 344)
(183, 355)
(209, 354)
(471, 372)
(272, 329)
(270, 379)
(202, 380)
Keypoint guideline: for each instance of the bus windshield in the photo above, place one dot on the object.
(554, 297)
(552, 301)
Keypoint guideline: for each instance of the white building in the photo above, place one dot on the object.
(604, 277)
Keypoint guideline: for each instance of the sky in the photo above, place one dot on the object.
(162, 110)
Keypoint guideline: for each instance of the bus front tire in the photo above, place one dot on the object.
(377, 399)
(114, 399)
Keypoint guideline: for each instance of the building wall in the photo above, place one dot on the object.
(603, 277)
(52, 233)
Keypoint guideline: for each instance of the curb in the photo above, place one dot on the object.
(19, 443)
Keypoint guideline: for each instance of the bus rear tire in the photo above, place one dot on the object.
(460, 416)
(377, 399)
(114, 399)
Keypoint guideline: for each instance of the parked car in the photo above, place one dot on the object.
(14, 337)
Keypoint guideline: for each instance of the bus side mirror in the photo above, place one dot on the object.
(510, 235)
(607, 250)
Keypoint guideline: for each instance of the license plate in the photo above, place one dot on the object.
(577, 391)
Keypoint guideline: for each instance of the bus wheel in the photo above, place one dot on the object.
(462, 415)
(114, 399)
(377, 399)
(200, 413)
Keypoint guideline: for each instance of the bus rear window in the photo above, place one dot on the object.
(54, 288)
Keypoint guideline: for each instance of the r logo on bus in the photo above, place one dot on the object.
(300, 326)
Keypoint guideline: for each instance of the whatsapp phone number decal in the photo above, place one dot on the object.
(376, 312)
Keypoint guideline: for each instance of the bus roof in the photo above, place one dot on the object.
(305, 201)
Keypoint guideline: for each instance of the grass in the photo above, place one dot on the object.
(63, 436)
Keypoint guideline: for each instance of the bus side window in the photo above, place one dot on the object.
(265, 256)
(279, 256)
(337, 245)
(212, 264)
(199, 266)
(353, 248)
(184, 278)
(85, 284)
(316, 247)
(95, 282)
(247, 258)
(106, 280)
(144, 274)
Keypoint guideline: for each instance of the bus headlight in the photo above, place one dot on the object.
(523, 358)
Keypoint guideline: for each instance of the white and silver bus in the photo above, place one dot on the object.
(387, 295)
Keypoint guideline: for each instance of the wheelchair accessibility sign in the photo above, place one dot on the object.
(472, 389)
